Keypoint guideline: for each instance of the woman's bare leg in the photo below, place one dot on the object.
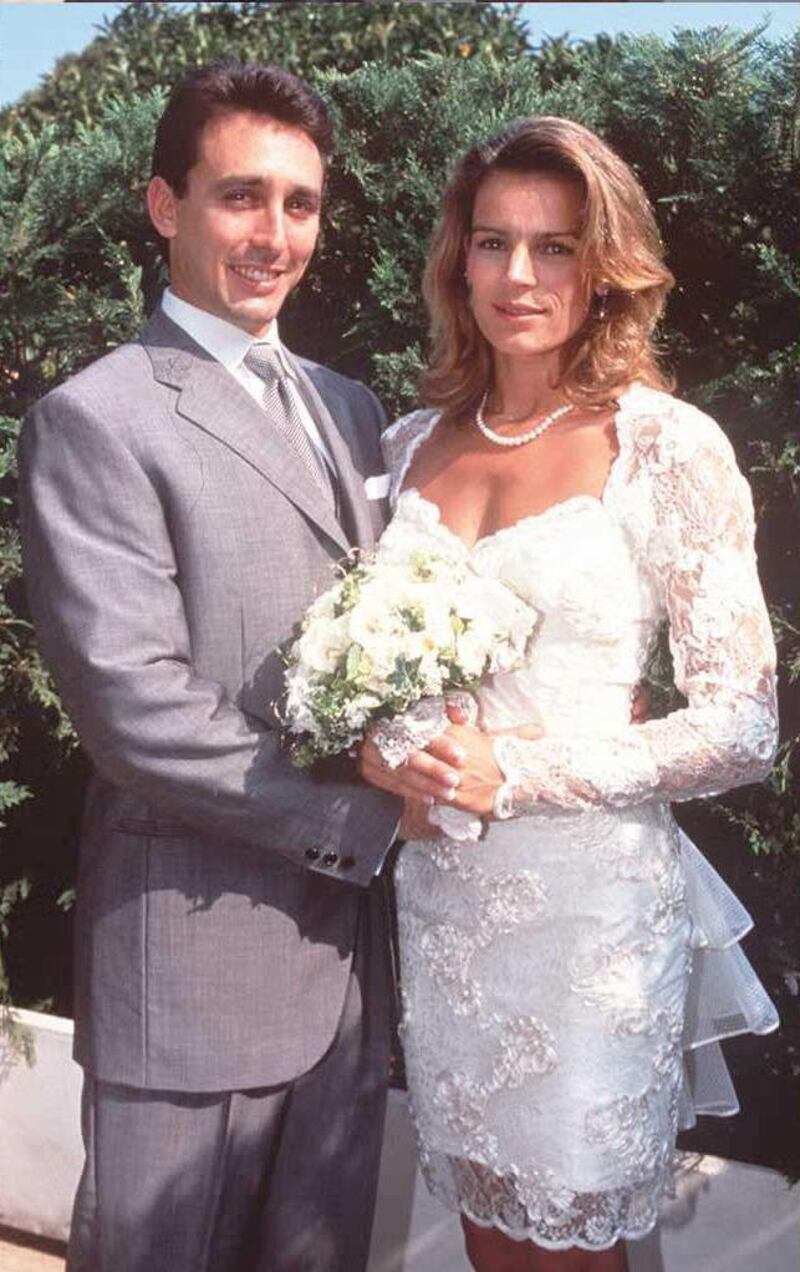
(490, 1250)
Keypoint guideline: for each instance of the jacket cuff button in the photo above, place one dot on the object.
(330, 858)
(312, 854)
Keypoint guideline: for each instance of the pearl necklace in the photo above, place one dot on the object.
(521, 438)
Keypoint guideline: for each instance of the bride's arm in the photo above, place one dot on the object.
(699, 547)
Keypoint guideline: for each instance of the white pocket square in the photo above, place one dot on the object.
(377, 487)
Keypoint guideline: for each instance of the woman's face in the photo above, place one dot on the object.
(528, 290)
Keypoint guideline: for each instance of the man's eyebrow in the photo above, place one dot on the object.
(255, 182)
(236, 180)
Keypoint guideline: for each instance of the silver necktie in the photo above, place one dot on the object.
(264, 361)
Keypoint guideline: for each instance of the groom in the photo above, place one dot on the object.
(183, 500)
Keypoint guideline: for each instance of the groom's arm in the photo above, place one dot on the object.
(104, 591)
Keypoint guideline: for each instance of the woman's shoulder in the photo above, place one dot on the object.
(667, 430)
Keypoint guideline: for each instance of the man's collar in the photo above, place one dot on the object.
(226, 342)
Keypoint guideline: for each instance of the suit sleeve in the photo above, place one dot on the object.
(105, 595)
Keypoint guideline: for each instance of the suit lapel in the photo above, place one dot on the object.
(211, 398)
(355, 511)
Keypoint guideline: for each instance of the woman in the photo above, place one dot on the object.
(567, 977)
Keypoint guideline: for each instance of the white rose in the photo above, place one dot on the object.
(471, 652)
(322, 644)
(372, 623)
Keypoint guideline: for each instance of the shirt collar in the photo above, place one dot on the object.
(225, 341)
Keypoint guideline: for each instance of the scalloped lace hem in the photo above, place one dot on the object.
(539, 1240)
(534, 1227)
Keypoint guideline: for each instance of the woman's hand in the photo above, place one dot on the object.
(441, 774)
(457, 768)
(478, 776)
(423, 776)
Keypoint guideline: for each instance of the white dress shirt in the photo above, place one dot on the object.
(229, 345)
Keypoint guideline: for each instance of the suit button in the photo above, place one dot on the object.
(330, 858)
(347, 863)
(312, 854)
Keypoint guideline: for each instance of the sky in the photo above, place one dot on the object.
(34, 35)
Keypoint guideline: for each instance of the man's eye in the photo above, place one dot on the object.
(299, 204)
(238, 196)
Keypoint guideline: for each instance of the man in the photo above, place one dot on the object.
(183, 499)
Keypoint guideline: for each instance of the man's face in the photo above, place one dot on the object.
(244, 231)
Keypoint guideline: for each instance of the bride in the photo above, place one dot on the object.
(566, 978)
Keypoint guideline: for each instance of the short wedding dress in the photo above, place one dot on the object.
(566, 979)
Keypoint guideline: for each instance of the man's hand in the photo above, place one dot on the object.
(414, 824)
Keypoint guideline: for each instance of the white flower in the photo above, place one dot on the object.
(298, 697)
(323, 643)
(472, 652)
(359, 711)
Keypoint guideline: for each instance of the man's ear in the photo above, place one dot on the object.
(162, 206)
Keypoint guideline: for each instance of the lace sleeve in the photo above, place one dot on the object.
(697, 543)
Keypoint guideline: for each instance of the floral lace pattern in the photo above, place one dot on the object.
(545, 969)
(689, 513)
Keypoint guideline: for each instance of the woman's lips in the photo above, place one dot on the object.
(519, 311)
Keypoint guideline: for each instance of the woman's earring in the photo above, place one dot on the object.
(603, 306)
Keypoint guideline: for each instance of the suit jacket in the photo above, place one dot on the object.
(172, 540)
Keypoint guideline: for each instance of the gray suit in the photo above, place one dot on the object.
(172, 540)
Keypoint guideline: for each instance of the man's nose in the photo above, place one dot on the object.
(269, 229)
(521, 267)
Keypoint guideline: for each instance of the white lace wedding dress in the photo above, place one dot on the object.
(566, 979)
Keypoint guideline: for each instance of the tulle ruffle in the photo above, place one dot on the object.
(725, 997)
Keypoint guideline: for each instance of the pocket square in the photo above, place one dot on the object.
(377, 487)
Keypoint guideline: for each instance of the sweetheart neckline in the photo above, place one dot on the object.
(529, 518)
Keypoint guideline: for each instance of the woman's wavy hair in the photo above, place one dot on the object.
(620, 247)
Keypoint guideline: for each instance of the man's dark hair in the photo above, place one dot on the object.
(210, 91)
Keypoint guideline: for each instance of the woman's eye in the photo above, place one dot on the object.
(490, 244)
(557, 249)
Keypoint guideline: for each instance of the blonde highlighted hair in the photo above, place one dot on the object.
(620, 248)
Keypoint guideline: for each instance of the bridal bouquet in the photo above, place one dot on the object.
(388, 642)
